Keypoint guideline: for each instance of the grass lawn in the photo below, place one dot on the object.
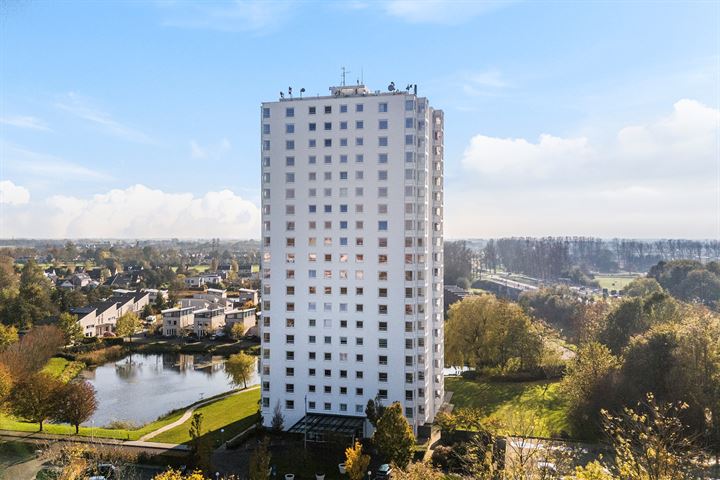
(514, 403)
(615, 282)
(63, 369)
(233, 414)
(8, 422)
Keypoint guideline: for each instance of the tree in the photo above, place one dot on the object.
(483, 331)
(239, 368)
(160, 302)
(641, 287)
(34, 398)
(199, 446)
(356, 463)
(76, 403)
(374, 410)
(147, 311)
(8, 278)
(260, 461)
(419, 471)
(649, 441)
(278, 419)
(127, 325)
(8, 336)
(457, 261)
(237, 331)
(588, 383)
(72, 330)
(393, 436)
(593, 471)
(172, 474)
(6, 384)
(32, 352)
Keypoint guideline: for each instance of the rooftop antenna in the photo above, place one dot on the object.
(302, 90)
(362, 77)
(344, 72)
(290, 92)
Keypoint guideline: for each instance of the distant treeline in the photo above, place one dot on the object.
(553, 257)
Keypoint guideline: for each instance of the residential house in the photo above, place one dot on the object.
(209, 321)
(177, 320)
(248, 294)
(245, 317)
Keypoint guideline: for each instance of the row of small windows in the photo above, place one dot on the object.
(410, 191)
(328, 126)
(342, 241)
(343, 175)
(359, 141)
(327, 109)
(328, 159)
(382, 225)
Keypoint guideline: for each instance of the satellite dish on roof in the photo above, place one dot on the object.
(391, 87)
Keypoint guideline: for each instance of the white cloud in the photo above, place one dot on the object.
(254, 16)
(137, 212)
(517, 156)
(211, 151)
(21, 121)
(11, 194)
(23, 161)
(441, 11)
(655, 179)
(82, 108)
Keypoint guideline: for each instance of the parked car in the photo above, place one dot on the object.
(384, 472)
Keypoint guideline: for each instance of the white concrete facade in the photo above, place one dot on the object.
(352, 239)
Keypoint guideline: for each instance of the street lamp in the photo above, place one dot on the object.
(222, 436)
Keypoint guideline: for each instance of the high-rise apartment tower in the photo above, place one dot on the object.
(352, 254)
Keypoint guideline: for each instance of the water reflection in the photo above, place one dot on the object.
(140, 388)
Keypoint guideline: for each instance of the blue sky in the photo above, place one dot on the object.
(140, 119)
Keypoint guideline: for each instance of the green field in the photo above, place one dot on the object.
(234, 414)
(8, 422)
(63, 369)
(512, 406)
(615, 282)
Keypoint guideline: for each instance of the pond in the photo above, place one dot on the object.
(140, 388)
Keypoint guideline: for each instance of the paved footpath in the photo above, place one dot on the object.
(186, 416)
(143, 444)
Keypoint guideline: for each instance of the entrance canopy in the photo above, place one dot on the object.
(318, 426)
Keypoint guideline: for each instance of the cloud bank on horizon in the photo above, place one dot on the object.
(640, 172)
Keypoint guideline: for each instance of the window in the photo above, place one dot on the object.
(382, 242)
(266, 112)
(383, 158)
(383, 141)
(409, 122)
(343, 142)
(327, 142)
(311, 110)
(312, 160)
(409, 105)
(327, 126)
(382, 377)
(327, 159)
(359, 124)
(289, 177)
(290, 145)
(266, 161)
(382, 175)
(358, 107)
(359, 175)
(327, 176)
(266, 144)
(359, 158)
(382, 107)
(289, 404)
(343, 108)
(409, 139)
(328, 109)
(359, 141)
(382, 225)
(290, 128)
(312, 143)
(343, 158)
(312, 126)
(266, 128)
(289, 112)
(382, 124)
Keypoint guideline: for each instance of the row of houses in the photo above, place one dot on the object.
(209, 313)
(99, 319)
